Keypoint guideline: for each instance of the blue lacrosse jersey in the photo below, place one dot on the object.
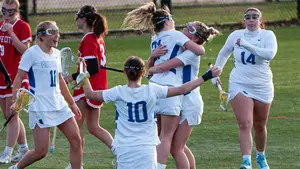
(135, 120)
(43, 73)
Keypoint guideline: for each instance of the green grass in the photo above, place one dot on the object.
(215, 141)
(209, 15)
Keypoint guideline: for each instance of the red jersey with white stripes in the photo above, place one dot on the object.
(9, 55)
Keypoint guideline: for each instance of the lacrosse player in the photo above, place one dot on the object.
(250, 84)
(92, 50)
(162, 25)
(14, 40)
(53, 105)
(192, 105)
(136, 132)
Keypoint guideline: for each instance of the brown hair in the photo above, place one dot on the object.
(262, 24)
(94, 19)
(147, 17)
(134, 67)
(205, 33)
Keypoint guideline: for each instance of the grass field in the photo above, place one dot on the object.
(215, 141)
(209, 15)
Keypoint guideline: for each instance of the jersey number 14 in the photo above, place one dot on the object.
(250, 59)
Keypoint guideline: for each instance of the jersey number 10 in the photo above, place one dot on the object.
(134, 114)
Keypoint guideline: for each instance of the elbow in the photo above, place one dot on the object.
(270, 55)
(201, 51)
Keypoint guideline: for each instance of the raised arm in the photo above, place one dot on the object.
(90, 93)
(267, 52)
(195, 48)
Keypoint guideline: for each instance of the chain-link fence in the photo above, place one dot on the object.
(218, 12)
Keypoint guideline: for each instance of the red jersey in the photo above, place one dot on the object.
(8, 53)
(92, 47)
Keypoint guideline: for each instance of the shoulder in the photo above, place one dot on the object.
(267, 32)
(237, 32)
(22, 23)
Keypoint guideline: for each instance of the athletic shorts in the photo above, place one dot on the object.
(4, 93)
(263, 92)
(46, 119)
(137, 157)
(192, 109)
(170, 106)
(91, 103)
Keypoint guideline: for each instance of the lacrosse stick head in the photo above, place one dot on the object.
(224, 100)
(67, 59)
(24, 99)
(83, 75)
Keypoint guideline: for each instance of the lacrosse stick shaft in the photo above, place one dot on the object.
(112, 69)
(6, 122)
(52, 147)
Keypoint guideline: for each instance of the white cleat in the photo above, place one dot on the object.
(5, 158)
(18, 157)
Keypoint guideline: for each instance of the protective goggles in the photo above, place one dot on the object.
(8, 12)
(251, 16)
(49, 31)
(192, 30)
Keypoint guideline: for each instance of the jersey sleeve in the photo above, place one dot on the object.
(180, 38)
(160, 91)
(187, 57)
(110, 95)
(26, 61)
(226, 50)
(25, 34)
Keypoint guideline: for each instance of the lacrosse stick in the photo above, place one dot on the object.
(6, 75)
(52, 146)
(119, 70)
(224, 96)
(83, 74)
(67, 59)
(24, 99)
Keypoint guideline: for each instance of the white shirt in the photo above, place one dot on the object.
(174, 42)
(43, 70)
(252, 57)
(191, 66)
(135, 113)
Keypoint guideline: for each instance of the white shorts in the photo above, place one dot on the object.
(170, 106)
(137, 157)
(46, 119)
(192, 109)
(263, 92)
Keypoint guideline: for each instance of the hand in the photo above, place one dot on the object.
(76, 111)
(8, 82)
(160, 50)
(238, 42)
(68, 79)
(7, 27)
(12, 110)
(216, 71)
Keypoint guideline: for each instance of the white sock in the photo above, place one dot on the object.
(8, 150)
(247, 157)
(260, 153)
(23, 147)
(161, 166)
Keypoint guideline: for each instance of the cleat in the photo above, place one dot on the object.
(246, 164)
(18, 157)
(262, 162)
(5, 158)
(70, 167)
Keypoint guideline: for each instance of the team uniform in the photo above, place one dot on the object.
(136, 130)
(192, 105)
(49, 108)
(92, 47)
(174, 42)
(251, 74)
(10, 55)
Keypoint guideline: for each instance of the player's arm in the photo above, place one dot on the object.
(19, 45)
(187, 87)
(17, 83)
(195, 48)
(166, 66)
(68, 97)
(159, 51)
(90, 93)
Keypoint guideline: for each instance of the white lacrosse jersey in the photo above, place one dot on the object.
(135, 113)
(174, 42)
(191, 67)
(249, 67)
(43, 70)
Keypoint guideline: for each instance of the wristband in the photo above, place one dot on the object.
(74, 75)
(207, 75)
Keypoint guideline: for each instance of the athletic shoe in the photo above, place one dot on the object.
(18, 157)
(5, 158)
(246, 164)
(70, 167)
(262, 161)
(13, 167)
